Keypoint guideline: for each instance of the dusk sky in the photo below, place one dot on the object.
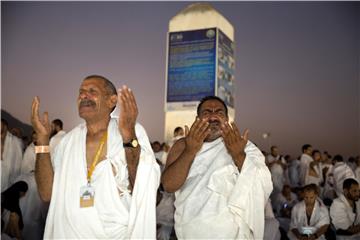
(297, 64)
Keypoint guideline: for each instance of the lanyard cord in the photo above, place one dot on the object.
(97, 157)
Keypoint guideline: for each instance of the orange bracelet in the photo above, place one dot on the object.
(42, 149)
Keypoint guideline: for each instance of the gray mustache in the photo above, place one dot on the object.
(87, 103)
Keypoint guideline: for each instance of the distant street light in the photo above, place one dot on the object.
(266, 137)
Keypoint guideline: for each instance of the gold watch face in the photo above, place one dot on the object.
(134, 143)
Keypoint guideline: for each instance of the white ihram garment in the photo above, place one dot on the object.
(216, 201)
(312, 179)
(271, 231)
(55, 140)
(278, 178)
(114, 215)
(11, 161)
(29, 159)
(342, 216)
(305, 161)
(31, 205)
(341, 171)
(319, 217)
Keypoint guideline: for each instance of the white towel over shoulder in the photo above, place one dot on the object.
(116, 214)
(218, 201)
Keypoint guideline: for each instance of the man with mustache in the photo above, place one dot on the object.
(104, 179)
(220, 179)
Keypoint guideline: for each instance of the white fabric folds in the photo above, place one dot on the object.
(216, 201)
(342, 216)
(11, 161)
(116, 214)
(319, 217)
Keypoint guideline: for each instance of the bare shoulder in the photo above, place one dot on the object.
(175, 151)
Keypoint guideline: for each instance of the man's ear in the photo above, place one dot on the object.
(113, 100)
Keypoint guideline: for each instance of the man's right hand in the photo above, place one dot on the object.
(194, 138)
(41, 125)
(182, 154)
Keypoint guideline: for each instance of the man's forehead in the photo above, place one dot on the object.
(212, 103)
(92, 82)
(310, 192)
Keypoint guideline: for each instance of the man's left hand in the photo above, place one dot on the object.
(128, 113)
(235, 142)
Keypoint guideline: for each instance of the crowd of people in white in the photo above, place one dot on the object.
(309, 198)
(315, 196)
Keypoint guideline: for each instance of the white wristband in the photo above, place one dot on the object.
(42, 149)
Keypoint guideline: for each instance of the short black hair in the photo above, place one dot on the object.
(272, 147)
(108, 84)
(338, 158)
(348, 182)
(5, 122)
(311, 187)
(58, 123)
(305, 147)
(207, 98)
(315, 151)
(178, 129)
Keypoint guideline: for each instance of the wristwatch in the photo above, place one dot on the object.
(132, 144)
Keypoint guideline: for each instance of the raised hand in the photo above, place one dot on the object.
(194, 138)
(235, 142)
(128, 113)
(41, 125)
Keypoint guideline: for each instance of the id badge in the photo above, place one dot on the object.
(87, 194)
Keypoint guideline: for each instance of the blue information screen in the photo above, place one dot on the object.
(226, 69)
(191, 65)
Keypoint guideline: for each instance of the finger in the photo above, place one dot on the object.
(125, 102)
(132, 100)
(119, 96)
(42, 120)
(34, 109)
(36, 121)
(246, 135)
(235, 130)
(231, 133)
(131, 104)
(126, 96)
(201, 127)
(46, 119)
(225, 128)
(121, 105)
(194, 126)
(222, 120)
(186, 130)
(205, 133)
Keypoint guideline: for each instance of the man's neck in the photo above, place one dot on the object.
(310, 207)
(95, 127)
(3, 135)
(351, 202)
